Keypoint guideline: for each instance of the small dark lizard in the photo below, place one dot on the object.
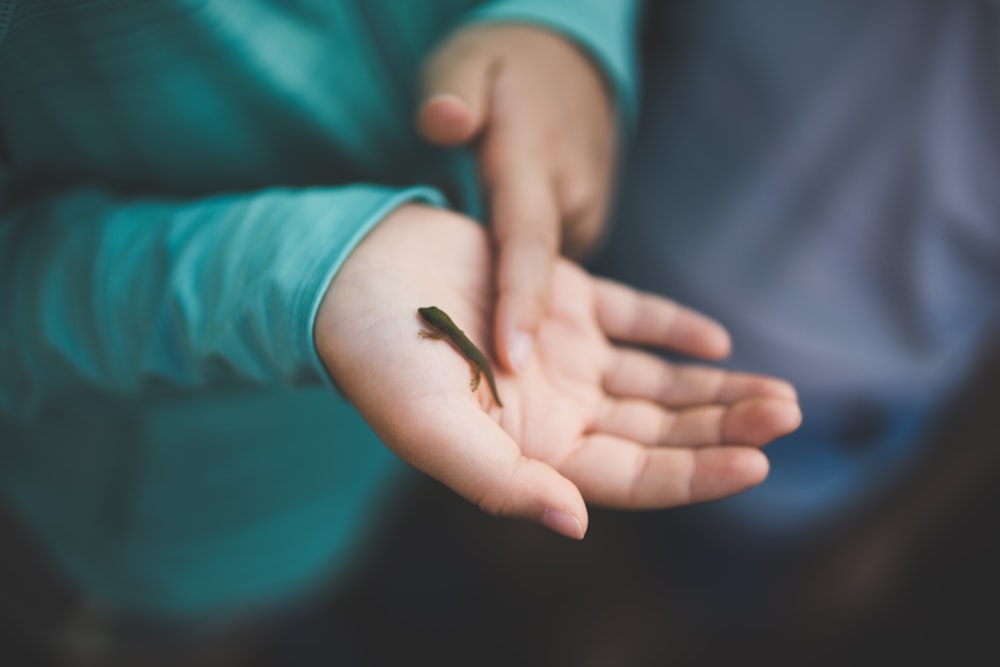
(445, 328)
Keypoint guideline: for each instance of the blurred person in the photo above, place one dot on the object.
(217, 217)
(823, 178)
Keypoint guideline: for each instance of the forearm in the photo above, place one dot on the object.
(106, 295)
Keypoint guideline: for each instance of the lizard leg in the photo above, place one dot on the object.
(433, 335)
(477, 374)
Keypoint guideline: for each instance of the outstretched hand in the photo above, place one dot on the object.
(587, 418)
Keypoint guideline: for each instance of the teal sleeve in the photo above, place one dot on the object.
(114, 296)
(604, 29)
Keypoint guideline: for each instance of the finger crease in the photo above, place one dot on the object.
(641, 470)
(668, 380)
(668, 424)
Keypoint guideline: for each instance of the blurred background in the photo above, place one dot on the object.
(822, 178)
(446, 585)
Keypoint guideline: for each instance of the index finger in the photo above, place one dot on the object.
(525, 225)
(639, 317)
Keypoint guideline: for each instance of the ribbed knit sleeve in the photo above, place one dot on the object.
(115, 295)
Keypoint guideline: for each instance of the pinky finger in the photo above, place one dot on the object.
(618, 473)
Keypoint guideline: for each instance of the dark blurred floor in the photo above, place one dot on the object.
(455, 588)
(913, 577)
(452, 587)
(448, 585)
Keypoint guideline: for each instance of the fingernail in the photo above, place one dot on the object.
(521, 346)
(562, 523)
(444, 97)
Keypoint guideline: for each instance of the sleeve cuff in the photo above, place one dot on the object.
(373, 204)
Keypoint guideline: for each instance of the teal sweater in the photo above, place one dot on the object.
(179, 182)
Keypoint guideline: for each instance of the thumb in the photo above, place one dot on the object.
(530, 489)
(456, 94)
(473, 456)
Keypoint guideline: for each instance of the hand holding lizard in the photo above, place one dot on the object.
(587, 418)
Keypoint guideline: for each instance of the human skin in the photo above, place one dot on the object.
(590, 418)
(540, 116)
